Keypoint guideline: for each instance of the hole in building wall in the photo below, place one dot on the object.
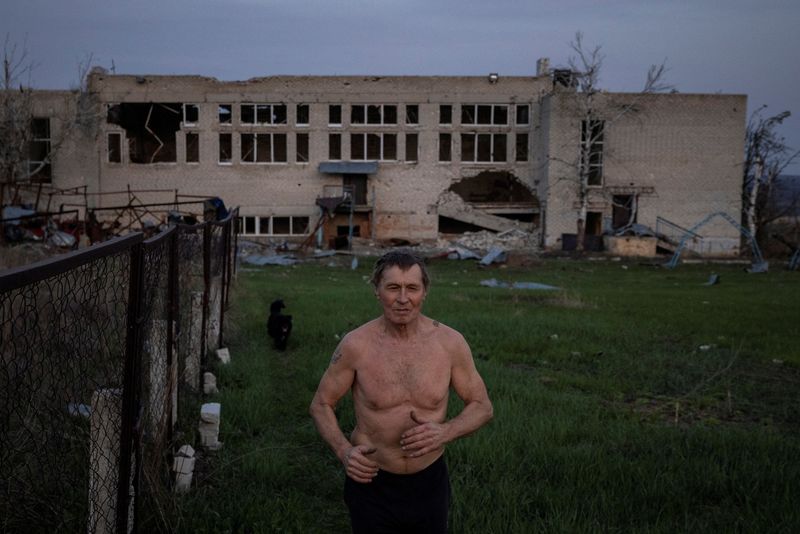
(494, 187)
(149, 129)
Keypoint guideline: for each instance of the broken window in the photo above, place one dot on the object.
(623, 211)
(412, 114)
(523, 114)
(302, 148)
(225, 113)
(114, 148)
(521, 147)
(445, 114)
(261, 114)
(335, 114)
(263, 148)
(484, 114)
(483, 147)
(445, 147)
(335, 146)
(225, 147)
(150, 129)
(592, 133)
(192, 147)
(302, 114)
(373, 146)
(373, 114)
(274, 225)
(412, 147)
(191, 114)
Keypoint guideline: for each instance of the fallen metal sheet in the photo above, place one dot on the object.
(712, 280)
(493, 282)
(257, 259)
(759, 267)
(459, 253)
(495, 255)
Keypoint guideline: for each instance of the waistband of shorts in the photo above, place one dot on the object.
(437, 465)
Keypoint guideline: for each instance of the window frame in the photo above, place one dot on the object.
(334, 109)
(184, 111)
(493, 149)
(257, 221)
(477, 113)
(186, 159)
(229, 160)
(307, 115)
(368, 111)
(255, 148)
(262, 109)
(365, 145)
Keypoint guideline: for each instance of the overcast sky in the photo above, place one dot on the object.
(747, 47)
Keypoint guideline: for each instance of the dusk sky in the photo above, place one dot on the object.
(728, 46)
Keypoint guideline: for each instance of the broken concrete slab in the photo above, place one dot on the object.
(183, 466)
(453, 206)
(209, 384)
(224, 355)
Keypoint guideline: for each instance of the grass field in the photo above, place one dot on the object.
(634, 399)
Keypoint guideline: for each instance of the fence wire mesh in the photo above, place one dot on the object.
(83, 381)
(61, 380)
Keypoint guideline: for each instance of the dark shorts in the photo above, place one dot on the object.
(400, 503)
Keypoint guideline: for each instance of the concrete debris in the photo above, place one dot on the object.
(183, 466)
(493, 282)
(209, 425)
(483, 241)
(209, 384)
(224, 355)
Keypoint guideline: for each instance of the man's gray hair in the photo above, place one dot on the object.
(404, 259)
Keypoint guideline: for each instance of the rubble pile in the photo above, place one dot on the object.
(483, 241)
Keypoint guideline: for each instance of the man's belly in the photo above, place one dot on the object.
(383, 430)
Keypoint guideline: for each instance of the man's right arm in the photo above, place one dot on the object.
(336, 381)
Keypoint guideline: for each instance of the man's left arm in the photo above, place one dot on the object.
(430, 436)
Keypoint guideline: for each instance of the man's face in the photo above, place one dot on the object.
(401, 294)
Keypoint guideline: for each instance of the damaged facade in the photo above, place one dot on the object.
(411, 157)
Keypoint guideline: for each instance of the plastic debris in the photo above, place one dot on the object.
(493, 282)
(495, 255)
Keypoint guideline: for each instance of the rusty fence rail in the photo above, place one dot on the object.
(98, 349)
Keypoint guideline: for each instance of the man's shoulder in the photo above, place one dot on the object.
(356, 339)
(445, 333)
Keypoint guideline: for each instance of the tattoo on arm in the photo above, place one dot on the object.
(337, 355)
(436, 323)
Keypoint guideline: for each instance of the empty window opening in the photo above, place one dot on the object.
(594, 223)
(114, 148)
(483, 148)
(263, 148)
(412, 114)
(225, 147)
(623, 212)
(302, 114)
(39, 167)
(225, 113)
(445, 114)
(445, 147)
(484, 114)
(335, 115)
(335, 146)
(356, 185)
(592, 133)
(263, 114)
(149, 128)
(191, 114)
(521, 147)
(523, 114)
(412, 147)
(302, 148)
(373, 114)
(373, 146)
(192, 147)
(274, 225)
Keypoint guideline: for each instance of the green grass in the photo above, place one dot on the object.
(608, 414)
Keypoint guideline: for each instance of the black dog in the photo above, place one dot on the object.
(279, 326)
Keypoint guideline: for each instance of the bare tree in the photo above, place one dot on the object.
(766, 157)
(27, 145)
(597, 114)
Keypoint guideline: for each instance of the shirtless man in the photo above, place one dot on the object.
(399, 367)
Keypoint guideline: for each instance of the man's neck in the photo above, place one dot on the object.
(405, 331)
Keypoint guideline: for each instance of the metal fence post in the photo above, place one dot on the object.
(130, 390)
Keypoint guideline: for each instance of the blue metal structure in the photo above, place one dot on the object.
(758, 260)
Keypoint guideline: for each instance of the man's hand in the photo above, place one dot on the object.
(358, 466)
(424, 438)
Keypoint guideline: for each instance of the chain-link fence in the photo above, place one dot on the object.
(97, 347)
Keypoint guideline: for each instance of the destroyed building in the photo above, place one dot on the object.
(414, 157)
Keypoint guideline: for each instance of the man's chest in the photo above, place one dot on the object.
(389, 379)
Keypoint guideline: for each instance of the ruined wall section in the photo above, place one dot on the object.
(404, 193)
(681, 154)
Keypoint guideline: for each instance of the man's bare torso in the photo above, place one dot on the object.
(394, 377)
